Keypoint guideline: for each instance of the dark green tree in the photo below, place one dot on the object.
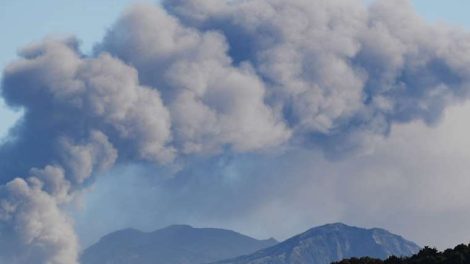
(459, 255)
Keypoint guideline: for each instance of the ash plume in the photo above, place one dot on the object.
(204, 77)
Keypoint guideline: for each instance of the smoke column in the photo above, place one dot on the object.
(207, 77)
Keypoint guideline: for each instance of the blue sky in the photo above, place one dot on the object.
(25, 21)
(450, 11)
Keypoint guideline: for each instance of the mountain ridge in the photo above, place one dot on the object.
(175, 244)
(331, 242)
(184, 244)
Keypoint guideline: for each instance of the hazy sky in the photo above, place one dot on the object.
(188, 132)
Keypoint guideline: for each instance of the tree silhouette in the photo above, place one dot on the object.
(459, 255)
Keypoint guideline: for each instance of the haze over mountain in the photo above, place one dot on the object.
(328, 243)
(182, 244)
(178, 244)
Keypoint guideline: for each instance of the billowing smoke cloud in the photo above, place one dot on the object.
(213, 104)
(205, 77)
(336, 71)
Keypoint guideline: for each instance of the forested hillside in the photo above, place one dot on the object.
(459, 255)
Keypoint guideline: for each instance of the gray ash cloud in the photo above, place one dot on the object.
(207, 77)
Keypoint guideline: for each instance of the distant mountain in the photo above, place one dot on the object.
(179, 244)
(328, 243)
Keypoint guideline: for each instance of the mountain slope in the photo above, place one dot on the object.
(177, 244)
(328, 243)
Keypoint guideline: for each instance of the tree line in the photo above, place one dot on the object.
(458, 255)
